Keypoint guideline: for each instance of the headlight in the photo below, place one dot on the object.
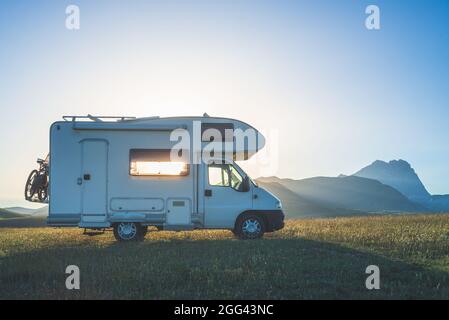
(278, 205)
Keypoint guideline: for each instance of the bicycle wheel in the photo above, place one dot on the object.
(30, 187)
(42, 194)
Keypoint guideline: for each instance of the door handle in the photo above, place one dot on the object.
(208, 193)
(86, 176)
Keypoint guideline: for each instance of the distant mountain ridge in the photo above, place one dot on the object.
(26, 211)
(297, 206)
(18, 217)
(335, 196)
(23, 212)
(400, 175)
(382, 187)
(6, 214)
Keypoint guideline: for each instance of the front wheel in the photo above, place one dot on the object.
(128, 231)
(249, 227)
(42, 194)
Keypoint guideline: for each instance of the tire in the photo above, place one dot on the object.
(30, 186)
(128, 231)
(42, 194)
(249, 227)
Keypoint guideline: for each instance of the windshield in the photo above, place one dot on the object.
(236, 178)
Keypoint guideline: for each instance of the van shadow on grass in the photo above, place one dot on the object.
(213, 269)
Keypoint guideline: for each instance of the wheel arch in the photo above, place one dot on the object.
(258, 213)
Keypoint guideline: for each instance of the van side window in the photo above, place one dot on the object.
(155, 162)
(224, 175)
(218, 175)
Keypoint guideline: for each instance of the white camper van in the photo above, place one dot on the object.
(119, 172)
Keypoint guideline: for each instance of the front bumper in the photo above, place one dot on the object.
(274, 220)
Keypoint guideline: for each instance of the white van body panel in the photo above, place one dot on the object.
(91, 185)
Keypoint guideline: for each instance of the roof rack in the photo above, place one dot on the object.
(97, 118)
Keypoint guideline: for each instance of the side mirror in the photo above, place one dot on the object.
(245, 184)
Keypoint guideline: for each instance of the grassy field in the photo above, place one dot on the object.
(308, 259)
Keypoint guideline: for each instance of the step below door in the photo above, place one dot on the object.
(94, 178)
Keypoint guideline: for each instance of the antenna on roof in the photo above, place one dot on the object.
(205, 115)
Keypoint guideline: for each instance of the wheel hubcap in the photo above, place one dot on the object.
(127, 230)
(251, 227)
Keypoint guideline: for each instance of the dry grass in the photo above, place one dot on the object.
(308, 259)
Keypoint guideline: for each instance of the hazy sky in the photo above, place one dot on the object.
(340, 96)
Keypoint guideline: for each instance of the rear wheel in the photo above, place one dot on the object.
(249, 227)
(30, 187)
(128, 231)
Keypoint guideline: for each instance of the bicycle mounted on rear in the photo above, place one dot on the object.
(36, 188)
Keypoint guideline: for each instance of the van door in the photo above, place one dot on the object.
(94, 170)
(224, 198)
(178, 212)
